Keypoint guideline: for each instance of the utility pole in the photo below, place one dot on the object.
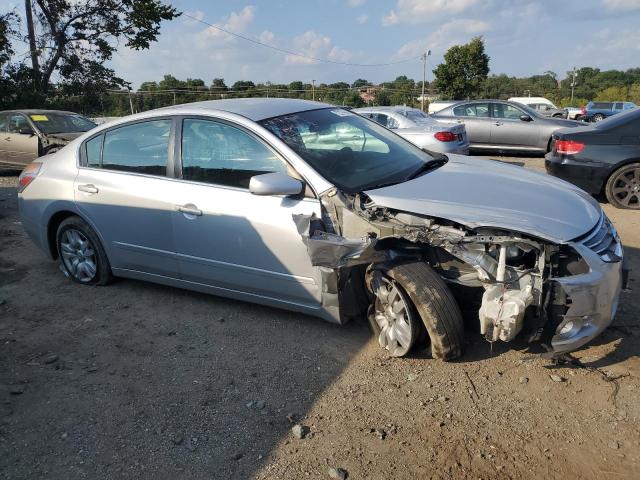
(573, 82)
(130, 101)
(313, 90)
(268, 84)
(32, 44)
(424, 75)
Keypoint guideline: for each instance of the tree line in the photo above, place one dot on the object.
(69, 43)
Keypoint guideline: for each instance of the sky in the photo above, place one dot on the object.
(521, 37)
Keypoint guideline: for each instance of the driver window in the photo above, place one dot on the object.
(17, 122)
(509, 112)
(217, 153)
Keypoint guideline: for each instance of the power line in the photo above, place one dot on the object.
(297, 54)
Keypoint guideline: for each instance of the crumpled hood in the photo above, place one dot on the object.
(485, 193)
(65, 137)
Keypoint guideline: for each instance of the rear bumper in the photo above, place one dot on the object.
(588, 176)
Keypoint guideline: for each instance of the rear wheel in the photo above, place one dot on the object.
(411, 292)
(82, 257)
(623, 187)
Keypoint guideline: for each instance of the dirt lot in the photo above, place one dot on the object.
(141, 381)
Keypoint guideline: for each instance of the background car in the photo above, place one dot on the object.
(420, 129)
(598, 111)
(29, 134)
(503, 125)
(601, 158)
(575, 113)
(438, 105)
(543, 106)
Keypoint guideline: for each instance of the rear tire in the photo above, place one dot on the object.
(623, 187)
(435, 305)
(82, 258)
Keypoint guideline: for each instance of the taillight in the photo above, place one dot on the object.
(446, 136)
(28, 175)
(568, 147)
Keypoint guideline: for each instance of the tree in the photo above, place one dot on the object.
(218, 85)
(8, 24)
(75, 39)
(464, 70)
(359, 83)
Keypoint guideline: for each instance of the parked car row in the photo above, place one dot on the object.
(313, 208)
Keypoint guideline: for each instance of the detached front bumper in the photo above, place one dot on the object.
(594, 300)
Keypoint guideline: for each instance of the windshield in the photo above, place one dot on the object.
(350, 151)
(49, 122)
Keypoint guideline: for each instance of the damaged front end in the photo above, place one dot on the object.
(561, 295)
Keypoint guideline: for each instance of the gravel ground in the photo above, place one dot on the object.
(137, 380)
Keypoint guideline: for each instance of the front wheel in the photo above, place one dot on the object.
(598, 117)
(623, 187)
(412, 292)
(82, 257)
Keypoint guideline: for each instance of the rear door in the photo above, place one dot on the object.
(19, 143)
(477, 121)
(123, 188)
(508, 130)
(228, 238)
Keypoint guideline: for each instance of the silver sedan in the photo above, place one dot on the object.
(420, 129)
(502, 125)
(310, 207)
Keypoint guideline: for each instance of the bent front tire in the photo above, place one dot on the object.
(436, 306)
(80, 252)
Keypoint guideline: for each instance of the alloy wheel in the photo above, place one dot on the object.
(626, 188)
(78, 255)
(393, 316)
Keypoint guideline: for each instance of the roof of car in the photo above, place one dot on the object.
(32, 111)
(396, 108)
(255, 109)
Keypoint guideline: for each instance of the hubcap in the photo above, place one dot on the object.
(626, 188)
(78, 255)
(392, 316)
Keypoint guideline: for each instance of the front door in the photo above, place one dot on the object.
(228, 238)
(122, 187)
(18, 141)
(509, 130)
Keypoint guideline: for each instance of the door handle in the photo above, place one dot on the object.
(189, 209)
(8, 139)
(498, 123)
(88, 188)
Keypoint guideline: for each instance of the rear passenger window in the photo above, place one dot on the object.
(214, 152)
(140, 148)
(472, 110)
(94, 151)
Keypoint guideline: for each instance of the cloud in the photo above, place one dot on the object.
(267, 37)
(448, 34)
(622, 5)
(236, 23)
(362, 19)
(421, 11)
(316, 45)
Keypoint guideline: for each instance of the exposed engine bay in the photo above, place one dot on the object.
(511, 275)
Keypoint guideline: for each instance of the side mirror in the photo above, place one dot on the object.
(525, 118)
(275, 184)
(25, 131)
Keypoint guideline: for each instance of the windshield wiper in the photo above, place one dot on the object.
(437, 161)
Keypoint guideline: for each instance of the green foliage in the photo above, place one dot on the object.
(464, 71)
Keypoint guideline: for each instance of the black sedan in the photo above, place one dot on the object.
(601, 158)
